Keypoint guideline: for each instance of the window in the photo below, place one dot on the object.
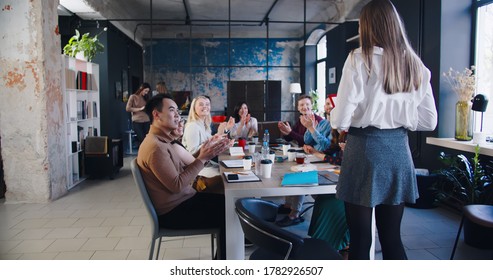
(484, 61)
(321, 57)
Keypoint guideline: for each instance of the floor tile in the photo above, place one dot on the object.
(63, 233)
(117, 221)
(94, 232)
(66, 245)
(38, 256)
(36, 233)
(110, 255)
(125, 231)
(78, 255)
(31, 223)
(133, 243)
(31, 246)
(138, 255)
(88, 222)
(181, 254)
(60, 222)
(95, 244)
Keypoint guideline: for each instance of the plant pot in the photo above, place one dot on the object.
(463, 121)
(80, 56)
(477, 236)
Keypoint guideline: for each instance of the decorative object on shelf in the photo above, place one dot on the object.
(88, 46)
(463, 121)
(479, 104)
(294, 88)
(125, 86)
(464, 85)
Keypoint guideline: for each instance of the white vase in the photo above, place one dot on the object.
(80, 56)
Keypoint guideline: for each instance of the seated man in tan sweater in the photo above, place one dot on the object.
(169, 174)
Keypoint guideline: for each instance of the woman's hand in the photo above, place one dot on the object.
(230, 123)
(284, 127)
(308, 149)
(308, 121)
(245, 119)
(213, 147)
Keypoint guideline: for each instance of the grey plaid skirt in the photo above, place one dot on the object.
(377, 168)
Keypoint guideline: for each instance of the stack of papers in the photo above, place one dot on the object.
(236, 151)
(233, 163)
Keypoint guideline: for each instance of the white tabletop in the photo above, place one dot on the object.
(235, 249)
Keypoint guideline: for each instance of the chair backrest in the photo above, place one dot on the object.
(256, 219)
(139, 181)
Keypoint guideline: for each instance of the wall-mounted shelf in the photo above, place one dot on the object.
(466, 146)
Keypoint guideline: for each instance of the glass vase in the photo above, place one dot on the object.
(463, 121)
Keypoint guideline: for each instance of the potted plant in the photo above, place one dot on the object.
(86, 45)
(463, 182)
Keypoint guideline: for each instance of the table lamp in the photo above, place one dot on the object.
(479, 104)
(294, 88)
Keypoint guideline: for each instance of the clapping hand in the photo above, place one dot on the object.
(308, 121)
(245, 119)
(284, 127)
(213, 147)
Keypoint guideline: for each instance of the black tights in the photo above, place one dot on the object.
(388, 219)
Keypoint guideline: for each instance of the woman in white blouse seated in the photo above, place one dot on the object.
(245, 126)
(198, 126)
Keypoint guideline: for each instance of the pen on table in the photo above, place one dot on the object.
(240, 173)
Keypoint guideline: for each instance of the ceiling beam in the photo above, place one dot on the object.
(266, 17)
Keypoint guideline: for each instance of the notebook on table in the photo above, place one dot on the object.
(309, 178)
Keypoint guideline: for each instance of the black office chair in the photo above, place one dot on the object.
(480, 218)
(159, 231)
(257, 219)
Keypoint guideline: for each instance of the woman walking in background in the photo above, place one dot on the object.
(136, 105)
(384, 92)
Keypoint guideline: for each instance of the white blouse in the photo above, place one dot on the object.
(194, 135)
(247, 130)
(362, 101)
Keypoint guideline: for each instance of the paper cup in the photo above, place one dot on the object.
(291, 155)
(285, 149)
(266, 166)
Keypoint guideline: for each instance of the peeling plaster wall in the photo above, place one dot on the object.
(31, 111)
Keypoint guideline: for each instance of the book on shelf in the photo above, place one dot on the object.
(95, 109)
(90, 131)
(69, 79)
(80, 109)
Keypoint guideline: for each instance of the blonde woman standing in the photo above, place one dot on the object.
(384, 92)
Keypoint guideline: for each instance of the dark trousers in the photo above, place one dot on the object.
(141, 129)
(203, 210)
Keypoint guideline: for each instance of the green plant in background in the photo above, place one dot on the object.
(89, 46)
(314, 96)
(464, 181)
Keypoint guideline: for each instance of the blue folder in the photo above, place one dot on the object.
(309, 178)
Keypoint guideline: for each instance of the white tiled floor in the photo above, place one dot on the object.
(106, 219)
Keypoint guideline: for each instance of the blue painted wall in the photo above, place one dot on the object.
(204, 66)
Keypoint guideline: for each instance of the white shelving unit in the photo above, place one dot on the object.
(80, 87)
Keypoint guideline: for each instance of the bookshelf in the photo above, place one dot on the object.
(80, 88)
